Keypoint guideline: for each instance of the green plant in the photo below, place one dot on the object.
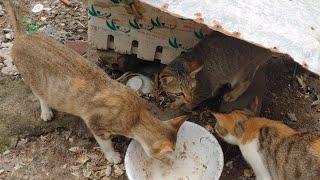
(30, 25)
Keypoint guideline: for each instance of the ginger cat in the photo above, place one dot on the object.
(274, 150)
(217, 60)
(63, 80)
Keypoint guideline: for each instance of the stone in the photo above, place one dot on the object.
(6, 30)
(1, 11)
(10, 70)
(1, 65)
(9, 36)
(7, 45)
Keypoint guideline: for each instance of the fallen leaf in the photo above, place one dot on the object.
(76, 174)
(108, 171)
(301, 81)
(6, 152)
(316, 102)
(209, 128)
(117, 170)
(75, 149)
(248, 173)
(82, 159)
(229, 164)
(87, 173)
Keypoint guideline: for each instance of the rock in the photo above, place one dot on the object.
(7, 45)
(1, 65)
(6, 30)
(9, 36)
(10, 70)
(1, 11)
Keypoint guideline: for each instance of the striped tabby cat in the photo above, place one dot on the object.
(62, 79)
(273, 150)
(216, 61)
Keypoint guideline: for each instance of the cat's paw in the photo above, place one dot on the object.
(229, 97)
(47, 115)
(113, 157)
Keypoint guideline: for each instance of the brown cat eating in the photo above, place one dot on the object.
(63, 80)
(274, 150)
(217, 60)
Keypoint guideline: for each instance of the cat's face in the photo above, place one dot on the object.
(229, 126)
(180, 84)
(160, 138)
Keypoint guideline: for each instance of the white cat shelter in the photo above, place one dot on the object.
(162, 29)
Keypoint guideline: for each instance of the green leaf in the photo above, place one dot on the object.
(134, 24)
(199, 34)
(93, 11)
(173, 43)
(109, 15)
(153, 23)
(116, 1)
(111, 26)
(158, 22)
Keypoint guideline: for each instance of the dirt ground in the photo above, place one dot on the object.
(64, 149)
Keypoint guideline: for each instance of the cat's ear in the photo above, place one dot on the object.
(165, 77)
(239, 128)
(254, 105)
(194, 68)
(166, 147)
(177, 122)
(218, 116)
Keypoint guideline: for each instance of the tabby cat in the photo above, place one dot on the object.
(274, 150)
(217, 60)
(63, 80)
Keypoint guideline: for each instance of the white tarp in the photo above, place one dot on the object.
(287, 26)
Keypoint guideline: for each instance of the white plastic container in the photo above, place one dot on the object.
(198, 156)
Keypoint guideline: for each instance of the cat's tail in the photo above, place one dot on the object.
(13, 16)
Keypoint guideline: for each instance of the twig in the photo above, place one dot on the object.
(66, 2)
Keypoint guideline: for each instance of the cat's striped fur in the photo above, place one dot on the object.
(274, 150)
(62, 79)
(223, 59)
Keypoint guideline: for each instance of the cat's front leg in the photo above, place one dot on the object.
(107, 147)
(237, 91)
(46, 112)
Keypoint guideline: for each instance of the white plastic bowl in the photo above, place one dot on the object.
(198, 156)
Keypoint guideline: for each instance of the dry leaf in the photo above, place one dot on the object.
(43, 138)
(76, 174)
(247, 173)
(117, 170)
(82, 159)
(209, 128)
(87, 173)
(108, 171)
(75, 149)
(301, 81)
(316, 102)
